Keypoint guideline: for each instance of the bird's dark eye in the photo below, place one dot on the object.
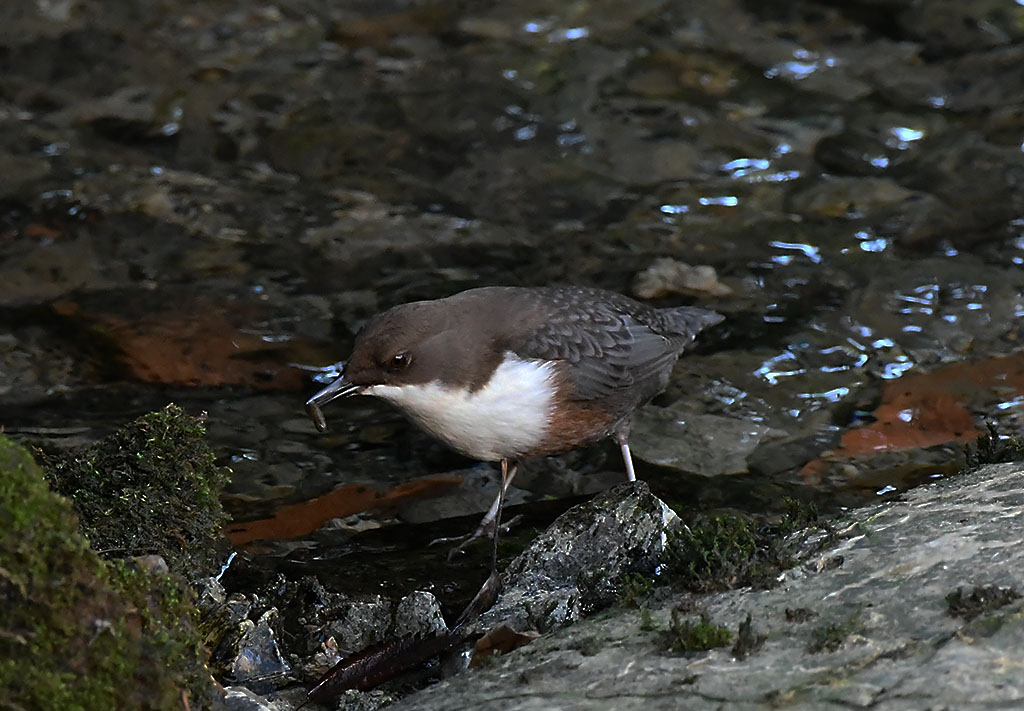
(399, 361)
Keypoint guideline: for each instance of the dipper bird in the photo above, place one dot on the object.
(502, 373)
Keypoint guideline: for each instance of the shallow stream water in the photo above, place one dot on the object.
(203, 203)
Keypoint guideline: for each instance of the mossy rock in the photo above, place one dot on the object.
(75, 635)
(151, 487)
(714, 553)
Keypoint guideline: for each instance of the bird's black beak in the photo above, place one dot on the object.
(339, 388)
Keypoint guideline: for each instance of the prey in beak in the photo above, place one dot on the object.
(338, 389)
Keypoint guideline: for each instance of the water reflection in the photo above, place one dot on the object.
(922, 299)
(401, 114)
(724, 201)
(674, 209)
(808, 250)
(745, 166)
(780, 366)
(868, 242)
(833, 395)
(568, 35)
(322, 374)
(757, 170)
(903, 137)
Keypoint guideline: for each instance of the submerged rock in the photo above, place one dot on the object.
(696, 443)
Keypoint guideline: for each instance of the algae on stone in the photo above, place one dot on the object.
(980, 600)
(151, 487)
(714, 553)
(72, 634)
(689, 634)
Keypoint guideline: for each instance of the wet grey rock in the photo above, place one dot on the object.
(576, 566)
(971, 178)
(34, 275)
(844, 196)
(419, 612)
(130, 113)
(258, 662)
(360, 624)
(372, 227)
(961, 326)
(670, 276)
(700, 444)
(20, 174)
(24, 371)
(353, 700)
(224, 623)
(783, 455)
(955, 27)
(863, 622)
(855, 153)
(239, 698)
(357, 624)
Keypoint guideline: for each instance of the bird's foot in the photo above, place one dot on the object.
(484, 531)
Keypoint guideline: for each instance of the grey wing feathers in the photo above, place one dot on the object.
(684, 321)
(617, 344)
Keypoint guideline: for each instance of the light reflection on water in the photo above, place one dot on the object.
(1012, 403)
(833, 395)
(780, 366)
(808, 250)
(792, 70)
(744, 166)
(902, 137)
(568, 35)
(674, 209)
(758, 170)
(325, 374)
(724, 200)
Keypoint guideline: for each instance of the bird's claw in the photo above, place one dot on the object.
(484, 530)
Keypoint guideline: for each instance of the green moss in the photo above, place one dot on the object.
(689, 634)
(992, 448)
(830, 637)
(152, 487)
(635, 590)
(748, 640)
(68, 638)
(800, 614)
(165, 606)
(982, 599)
(589, 645)
(712, 554)
(729, 551)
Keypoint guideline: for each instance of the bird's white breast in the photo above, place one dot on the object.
(505, 418)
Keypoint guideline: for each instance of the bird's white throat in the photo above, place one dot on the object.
(505, 418)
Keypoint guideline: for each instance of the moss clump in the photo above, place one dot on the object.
(68, 637)
(151, 487)
(800, 614)
(992, 448)
(715, 553)
(689, 634)
(730, 551)
(748, 640)
(982, 599)
(830, 637)
(636, 589)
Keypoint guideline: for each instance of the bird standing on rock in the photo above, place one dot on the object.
(503, 373)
